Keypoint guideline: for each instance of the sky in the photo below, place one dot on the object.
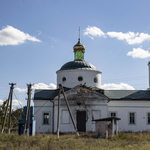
(37, 38)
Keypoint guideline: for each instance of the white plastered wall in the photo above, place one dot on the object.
(123, 108)
(39, 109)
(91, 105)
(72, 78)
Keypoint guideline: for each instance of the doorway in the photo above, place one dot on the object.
(81, 121)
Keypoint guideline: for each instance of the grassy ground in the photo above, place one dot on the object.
(86, 141)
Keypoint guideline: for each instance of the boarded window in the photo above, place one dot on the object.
(131, 118)
(65, 117)
(95, 115)
(46, 118)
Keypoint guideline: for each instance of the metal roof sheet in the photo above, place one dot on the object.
(128, 94)
(78, 64)
(46, 94)
(107, 119)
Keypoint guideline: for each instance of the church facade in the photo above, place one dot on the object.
(82, 85)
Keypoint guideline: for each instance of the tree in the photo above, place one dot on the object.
(15, 116)
(2, 113)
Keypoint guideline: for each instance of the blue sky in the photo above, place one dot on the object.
(37, 38)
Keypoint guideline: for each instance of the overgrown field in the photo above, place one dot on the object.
(86, 141)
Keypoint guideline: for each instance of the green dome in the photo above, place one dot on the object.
(77, 64)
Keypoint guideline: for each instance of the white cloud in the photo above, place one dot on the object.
(139, 53)
(113, 86)
(38, 86)
(44, 86)
(16, 102)
(92, 32)
(20, 90)
(1, 102)
(130, 37)
(12, 36)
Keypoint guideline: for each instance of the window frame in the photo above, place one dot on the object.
(43, 117)
(93, 122)
(134, 118)
(115, 113)
(62, 116)
(147, 118)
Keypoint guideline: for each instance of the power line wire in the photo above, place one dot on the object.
(40, 107)
(17, 100)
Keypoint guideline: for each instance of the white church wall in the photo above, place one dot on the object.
(137, 108)
(72, 78)
(94, 109)
(43, 108)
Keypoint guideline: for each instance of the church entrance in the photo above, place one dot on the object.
(81, 121)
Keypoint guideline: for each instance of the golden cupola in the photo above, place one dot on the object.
(79, 50)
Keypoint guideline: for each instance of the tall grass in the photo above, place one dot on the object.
(86, 141)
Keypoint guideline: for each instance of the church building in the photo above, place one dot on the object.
(82, 85)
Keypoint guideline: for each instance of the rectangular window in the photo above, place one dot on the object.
(148, 118)
(96, 114)
(113, 114)
(65, 117)
(132, 118)
(45, 118)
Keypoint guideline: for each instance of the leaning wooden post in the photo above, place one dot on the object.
(4, 121)
(10, 96)
(58, 112)
(10, 111)
(112, 127)
(116, 127)
(69, 110)
(26, 117)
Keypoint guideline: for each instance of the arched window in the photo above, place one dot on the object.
(95, 80)
(63, 79)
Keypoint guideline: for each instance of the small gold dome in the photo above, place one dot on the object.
(79, 46)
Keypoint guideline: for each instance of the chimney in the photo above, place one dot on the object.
(149, 74)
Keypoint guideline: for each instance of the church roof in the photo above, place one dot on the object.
(127, 94)
(78, 64)
(46, 94)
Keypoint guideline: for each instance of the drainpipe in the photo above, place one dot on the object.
(149, 74)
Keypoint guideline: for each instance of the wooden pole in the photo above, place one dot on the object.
(4, 121)
(10, 97)
(69, 110)
(112, 127)
(25, 124)
(58, 112)
(29, 100)
(27, 109)
(10, 110)
(116, 127)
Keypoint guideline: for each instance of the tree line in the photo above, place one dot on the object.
(16, 115)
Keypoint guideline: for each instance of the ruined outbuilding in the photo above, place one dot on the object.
(106, 127)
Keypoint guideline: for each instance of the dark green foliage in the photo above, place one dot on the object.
(16, 115)
(2, 113)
